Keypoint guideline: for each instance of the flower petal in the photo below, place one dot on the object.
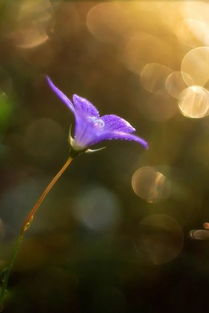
(84, 106)
(118, 135)
(60, 95)
(115, 122)
(87, 129)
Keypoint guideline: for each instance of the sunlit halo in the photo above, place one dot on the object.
(143, 48)
(150, 184)
(194, 102)
(106, 21)
(153, 77)
(197, 10)
(196, 64)
(175, 83)
(199, 29)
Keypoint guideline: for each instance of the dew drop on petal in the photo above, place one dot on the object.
(194, 102)
(150, 184)
(98, 123)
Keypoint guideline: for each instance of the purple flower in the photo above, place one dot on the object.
(90, 127)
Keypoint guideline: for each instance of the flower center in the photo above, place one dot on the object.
(98, 123)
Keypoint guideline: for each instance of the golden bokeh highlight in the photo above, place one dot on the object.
(199, 234)
(142, 48)
(196, 10)
(150, 184)
(153, 77)
(32, 23)
(199, 29)
(196, 64)
(106, 21)
(175, 83)
(192, 25)
(163, 240)
(194, 102)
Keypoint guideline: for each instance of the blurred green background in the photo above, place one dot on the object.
(113, 235)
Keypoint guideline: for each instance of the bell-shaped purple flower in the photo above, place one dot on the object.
(90, 127)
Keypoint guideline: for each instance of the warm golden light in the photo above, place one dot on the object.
(143, 48)
(175, 83)
(149, 184)
(194, 102)
(196, 64)
(199, 29)
(106, 21)
(32, 23)
(153, 76)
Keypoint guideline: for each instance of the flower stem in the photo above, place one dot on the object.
(35, 208)
(24, 228)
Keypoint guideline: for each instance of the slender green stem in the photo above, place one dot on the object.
(24, 228)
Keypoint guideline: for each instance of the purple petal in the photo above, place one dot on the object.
(87, 129)
(114, 122)
(60, 95)
(117, 135)
(84, 106)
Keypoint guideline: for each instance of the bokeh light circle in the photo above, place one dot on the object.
(194, 102)
(150, 184)
(153, 77)
(196, 64)
(199, 29)
(163, 239)
(97, 208)
(31, 24)
(199, 234)
(175, 83)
